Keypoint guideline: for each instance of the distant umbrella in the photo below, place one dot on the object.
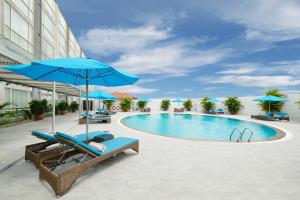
(270, 99)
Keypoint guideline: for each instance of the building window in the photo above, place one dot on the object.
(20, 98)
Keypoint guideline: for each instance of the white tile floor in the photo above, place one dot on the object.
(199, 170)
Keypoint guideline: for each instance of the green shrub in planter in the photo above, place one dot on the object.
(206, 106)
(108, 104)
(233, 105)
(165, 104)
(62, 107)
(125, 104)
(38, 108)
(141, 104)
(188, 105)
(74, 106)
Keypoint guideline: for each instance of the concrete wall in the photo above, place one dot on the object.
(250, 106)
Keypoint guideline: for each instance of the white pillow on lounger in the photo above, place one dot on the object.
(98, 146)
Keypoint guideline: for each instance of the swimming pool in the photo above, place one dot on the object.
(200, 127)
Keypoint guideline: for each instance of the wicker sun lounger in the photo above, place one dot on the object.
(281, 116)
(62, 180)
(263, 117)
(146, 110)
(178, 109)
(95, 118)
(51, 146)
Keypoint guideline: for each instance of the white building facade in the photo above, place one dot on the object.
(32, 30)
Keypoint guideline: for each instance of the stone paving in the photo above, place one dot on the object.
(165, 168)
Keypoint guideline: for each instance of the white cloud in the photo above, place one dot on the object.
(187, 90)
(209, 88)
(244, 70)
(151, 50)
(172, 59)
(106, 41)
(254, 81)
(132, 89)
(271, 20)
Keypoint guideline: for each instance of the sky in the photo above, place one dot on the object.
(193, 48)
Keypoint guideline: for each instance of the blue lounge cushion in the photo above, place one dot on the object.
(44, 136)
(269, 114)
(281, 114)
(220, 110)
(111, 145)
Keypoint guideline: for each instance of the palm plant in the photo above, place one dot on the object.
(4, 105)
(141, 104)
(108, 104)
(272, 106)
(165, 104)
(125, 104)
(188, 105)
(233, 105)
(206, 106)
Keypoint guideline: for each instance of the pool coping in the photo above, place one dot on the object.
(282, 134)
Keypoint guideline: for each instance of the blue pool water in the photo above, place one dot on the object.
(197, 127)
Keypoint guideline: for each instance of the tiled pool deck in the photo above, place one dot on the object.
(166, 168)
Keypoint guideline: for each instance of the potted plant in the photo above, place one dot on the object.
(233, 105)
(272, 106)
(188, 105)
(141, 105)
(108, 104)
(38, 109)
(165, 104)
(206, 106)
(62, 107)
(125, 104)
(74, 106)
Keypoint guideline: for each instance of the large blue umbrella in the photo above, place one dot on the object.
(270, 98)
(215, 100)
(75, 71)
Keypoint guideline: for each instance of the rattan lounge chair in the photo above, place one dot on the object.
(62, 180)
(263, 117)
(146, 110)
(95, 118)
(211, 111)
(220, 111)
(281, 116)
(104, 111)
(178, 109)
(42, 150)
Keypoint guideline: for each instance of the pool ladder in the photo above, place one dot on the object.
(240, 138)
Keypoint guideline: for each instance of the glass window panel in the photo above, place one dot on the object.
(7, 95)
(18, 24)
(20, 98)
(21, 6)
(6, 14)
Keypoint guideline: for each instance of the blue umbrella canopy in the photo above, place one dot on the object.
(75, 71)
(271, 99)
(100, 94)
(215, 100)
(144, 99)
(177, 101)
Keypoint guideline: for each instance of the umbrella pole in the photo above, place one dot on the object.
(53, 108)
(79, 103)
(86, 110)
(269, 106)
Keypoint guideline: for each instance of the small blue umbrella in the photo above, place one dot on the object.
(178, 101)
(75, 71)
(215, 100)
(144, 99)
(270, 99)
(100, 95)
